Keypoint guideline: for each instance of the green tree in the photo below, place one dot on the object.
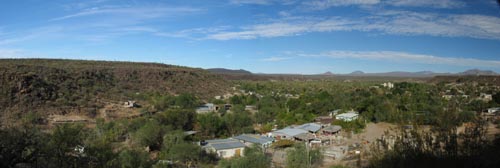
(99, 152)
(130, 158)
(62, 141)
(20, 145)
(302, 156)
(183, 119)
(150, 135)
(187, 153)
(210, 125)
(186, 101)
(238, 122)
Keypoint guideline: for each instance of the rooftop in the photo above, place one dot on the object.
(252, 138)
(349, 114)
(312, 127)
(332, 128)
(291, 131)
(220, 144)
(305, 136)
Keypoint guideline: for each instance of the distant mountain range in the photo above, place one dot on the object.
(477, 72)
(471, 72)
(474, 72)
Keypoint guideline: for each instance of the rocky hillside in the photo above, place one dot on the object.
(67, 86)
(484, 79)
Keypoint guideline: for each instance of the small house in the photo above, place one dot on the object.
(250, 139)
(224, 148)
(486, 97)
(335, 112)
(332, 129)
(349, 116)
(493, 110)
(206, 108)
(310, 127)
(306, 137)
(130, 104)
(287, 133)
(250, 108)
(324, 120)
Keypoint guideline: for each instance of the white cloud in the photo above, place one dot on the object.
(11, 53)
(131, 12)
(428, 3)
(262, 2)
(406, 57)
(324, 4)
(17, 37)
(389, 22)
(275, 59)
(258, 2)
(262, 30)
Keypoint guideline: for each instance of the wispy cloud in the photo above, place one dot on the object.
(135, 12)
(392, 56)
(258, 2)
(262, 2)
(428, 3)
(389, 22)
(101, 24)
(17, 37)
(11, 53)
(275, 59)
(324, 4)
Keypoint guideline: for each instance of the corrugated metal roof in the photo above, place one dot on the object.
(304, 136)
(312, 127)
(257, 139)
(332, 128)
(291, 131)
(220, 144)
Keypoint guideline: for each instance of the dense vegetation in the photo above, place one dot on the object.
(66, 86)
(442, 146)
(32, 88)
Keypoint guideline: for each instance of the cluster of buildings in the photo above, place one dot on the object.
(312, 133)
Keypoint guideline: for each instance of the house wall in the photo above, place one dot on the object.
(280, 136)
(493, 110)
(346, 118)
(228, 153)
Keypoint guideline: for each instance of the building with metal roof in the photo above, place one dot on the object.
(288, 133)
(349, 116)
(333, 129)
(311, 127)
(250, 139)
(307, 137)
(224, 148)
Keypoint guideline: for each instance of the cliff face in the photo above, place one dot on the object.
(62, 86)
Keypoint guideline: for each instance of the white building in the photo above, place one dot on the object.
(209, 107)
(349, 116)
(493, 110)
(486, 97)
(224, 148)
(388, 85)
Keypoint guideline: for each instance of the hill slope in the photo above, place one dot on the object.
(229, 71)
(64, 86)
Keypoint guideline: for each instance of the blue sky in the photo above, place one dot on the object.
(269, 36)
